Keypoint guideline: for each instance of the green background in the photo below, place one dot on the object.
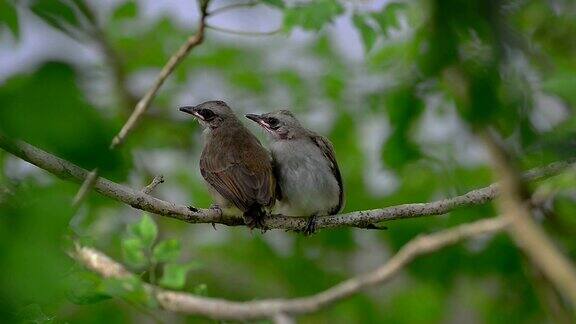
(402, 118)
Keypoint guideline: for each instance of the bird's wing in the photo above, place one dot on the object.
(328, 150)
(241, 173)
(276, 172)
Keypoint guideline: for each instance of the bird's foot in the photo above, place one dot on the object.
(216, 208)
(254, 222)
(310, 226)
(192, 209)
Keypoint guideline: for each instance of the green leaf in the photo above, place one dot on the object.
(130, 288)
(145, 230)
(403, 107)
(9, 17)
(368, 33)
(133, 252)
(57, 13)
(248, 80)
(313, 15)
(274, 3)
(117, 287)
(84, 288)
(167, 251)
(174, 275)
(84, 9)
(393, 54)
(388, 17)
(334, 85)
(562, 85)
(126, 10)
(69, 127)
(399, 150)
(201, 290)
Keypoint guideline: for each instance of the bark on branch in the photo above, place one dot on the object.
(362, 219)
(223, 309)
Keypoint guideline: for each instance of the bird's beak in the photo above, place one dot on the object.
(253, 117)
(258, 119)
(192, 110)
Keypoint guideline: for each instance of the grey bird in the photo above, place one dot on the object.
(237, 168)
(307, 174)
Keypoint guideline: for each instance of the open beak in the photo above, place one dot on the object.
(258, 119)
(192, 111)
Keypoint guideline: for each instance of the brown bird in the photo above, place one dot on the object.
(237, 168)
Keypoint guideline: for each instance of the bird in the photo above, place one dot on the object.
(309, 182)
(234, 164)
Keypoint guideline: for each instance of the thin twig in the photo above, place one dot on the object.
(137, 199)
(85, 188)
(530, 237)
(170, 66)
(216, 308)
(232, 7)
(155, 182)
(244, 33)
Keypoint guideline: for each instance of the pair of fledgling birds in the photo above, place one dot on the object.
(300, 170)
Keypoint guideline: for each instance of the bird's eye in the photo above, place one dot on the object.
(273, 122)
(208, 114)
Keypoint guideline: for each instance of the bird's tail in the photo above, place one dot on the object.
(254, 216)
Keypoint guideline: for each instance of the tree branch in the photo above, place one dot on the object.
(155, 182)
(362, 219)
(232, 7)
(86, 187)
(243, 32)
(530, 237)
(170, 66)
(216, 308)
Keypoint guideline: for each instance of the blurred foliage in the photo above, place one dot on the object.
(142, 252)
(312, 15)
(9, 17)
(49, 110)
(62, 14)
(404, 113)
